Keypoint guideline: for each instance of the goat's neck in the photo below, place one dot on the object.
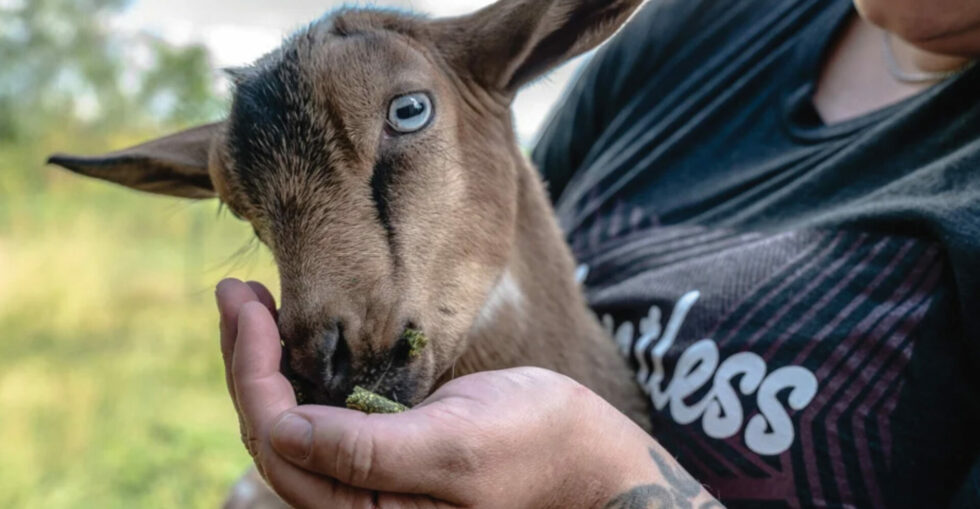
(536, 314)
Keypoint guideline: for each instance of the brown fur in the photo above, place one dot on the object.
(373, 231)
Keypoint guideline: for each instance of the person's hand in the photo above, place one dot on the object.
(517, 438)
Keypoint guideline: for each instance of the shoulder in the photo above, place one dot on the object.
(678, 21)
(666, 34)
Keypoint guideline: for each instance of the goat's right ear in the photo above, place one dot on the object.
(175, 165)
(511, 42)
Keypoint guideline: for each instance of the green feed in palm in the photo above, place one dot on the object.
(371, 403)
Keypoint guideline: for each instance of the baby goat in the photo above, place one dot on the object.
(374, 154)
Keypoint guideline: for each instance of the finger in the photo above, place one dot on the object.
(400, 501)
(231, 295)
(304, 489)
(265, 297)
(411, 453)
(263, 392)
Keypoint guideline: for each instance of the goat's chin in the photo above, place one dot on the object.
(398, 394)
(406, 388)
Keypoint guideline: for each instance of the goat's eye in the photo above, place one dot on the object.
(410, 113)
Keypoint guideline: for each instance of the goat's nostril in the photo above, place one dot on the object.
(318, 365)
(338, 382)
(400, 353)
(409, 345)
(302, 387)
(340, 357)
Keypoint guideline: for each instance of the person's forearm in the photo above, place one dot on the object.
(667, 485)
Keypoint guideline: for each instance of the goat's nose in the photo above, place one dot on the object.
(318, 365)
(336, 358)
(323, 371)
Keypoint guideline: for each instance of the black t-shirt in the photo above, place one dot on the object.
(801, 301)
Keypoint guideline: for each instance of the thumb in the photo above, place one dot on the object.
(413, 452)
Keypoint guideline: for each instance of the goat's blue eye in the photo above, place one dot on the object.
(410, 113)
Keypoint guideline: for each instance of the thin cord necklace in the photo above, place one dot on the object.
(915, 77)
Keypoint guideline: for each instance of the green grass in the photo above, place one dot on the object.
(111, 385)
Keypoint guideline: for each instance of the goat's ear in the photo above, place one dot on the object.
(512, 42)
(175, 165)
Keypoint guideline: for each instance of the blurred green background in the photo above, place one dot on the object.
(111, 385)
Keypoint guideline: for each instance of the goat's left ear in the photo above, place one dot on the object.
(512, 42)
(176, 165)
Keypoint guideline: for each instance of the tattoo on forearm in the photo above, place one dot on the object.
(678, 491)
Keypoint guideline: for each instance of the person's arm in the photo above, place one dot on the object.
(516, 438)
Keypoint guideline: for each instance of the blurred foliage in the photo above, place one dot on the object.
(111, 386)
(59, 57)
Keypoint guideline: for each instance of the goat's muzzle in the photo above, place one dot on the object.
(324, 369)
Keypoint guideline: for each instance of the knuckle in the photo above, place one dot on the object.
(250, 442)
(466, 455)
(463, 459)
(240, 370)
(356, 457)
(253, 446)
(227, 349)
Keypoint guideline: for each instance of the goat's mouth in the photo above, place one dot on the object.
(394, 374)
(308, 393)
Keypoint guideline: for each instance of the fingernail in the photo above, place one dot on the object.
(292, 437)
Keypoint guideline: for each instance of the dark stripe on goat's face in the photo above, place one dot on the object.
(381, 181)
(289, 143)
(272, 126)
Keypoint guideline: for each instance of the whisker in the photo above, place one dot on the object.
(241, 257)
(383, 374)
